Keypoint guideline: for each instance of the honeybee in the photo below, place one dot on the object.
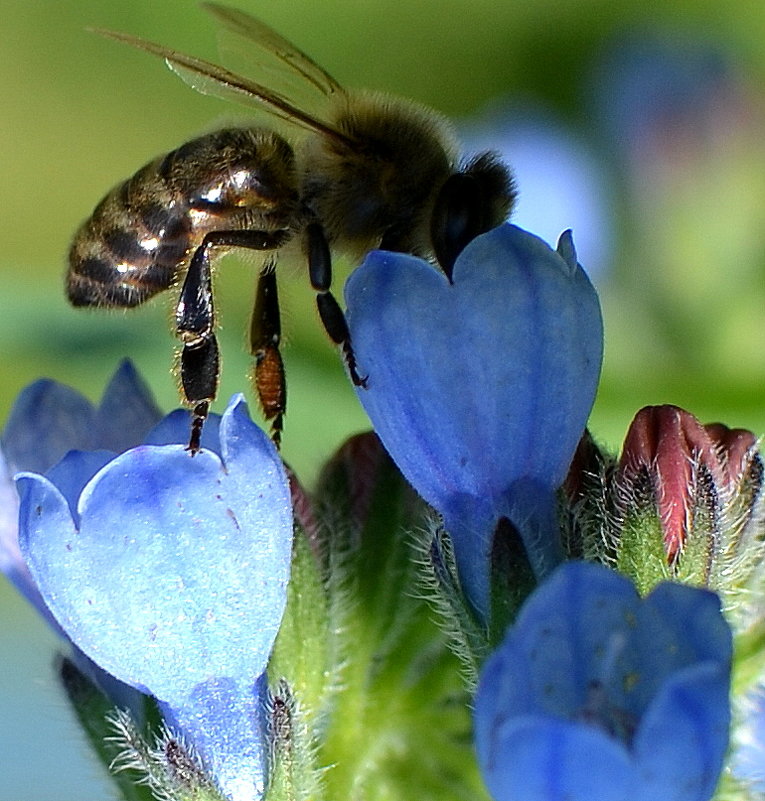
(369, 171)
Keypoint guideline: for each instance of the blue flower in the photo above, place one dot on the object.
(597, 695)
(480, 388)
(170, 572)
(49, 419)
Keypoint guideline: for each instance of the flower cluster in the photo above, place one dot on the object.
(477, 563)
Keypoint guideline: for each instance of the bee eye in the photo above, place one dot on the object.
(471, 202)
(459, 217)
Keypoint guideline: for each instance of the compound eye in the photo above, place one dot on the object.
(459, 216)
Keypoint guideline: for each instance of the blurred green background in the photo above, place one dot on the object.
(680, 156)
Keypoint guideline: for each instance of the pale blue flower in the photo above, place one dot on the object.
(170, 572)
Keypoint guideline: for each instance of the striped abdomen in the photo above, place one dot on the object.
(133, 245)
(142, 232)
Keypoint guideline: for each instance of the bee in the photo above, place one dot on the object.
(364, 171)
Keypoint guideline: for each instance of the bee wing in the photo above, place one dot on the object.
(210, 79)
(257, 44)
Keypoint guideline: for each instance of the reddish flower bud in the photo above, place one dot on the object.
(686, 495)
(736, 448)
(669, 444)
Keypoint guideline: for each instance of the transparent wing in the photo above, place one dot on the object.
(262, 48)
(210, 79)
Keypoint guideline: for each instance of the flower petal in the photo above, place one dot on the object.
(567, 706)
(676, 626)
(690, 718)
(47, 420)
(491, 358)
(224, 721)
(553, 760)
(74, 471)
(127, 411)
(564, 654)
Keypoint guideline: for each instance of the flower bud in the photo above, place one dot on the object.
(685, 497)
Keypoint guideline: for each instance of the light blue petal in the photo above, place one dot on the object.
(475, 385)
(74, 471)
(127, 411)
(42, 508)
(173, 576)
(47, 420)
(11, 560)
(42, 501)
(10, 556)
(538, 759)
(682, 741)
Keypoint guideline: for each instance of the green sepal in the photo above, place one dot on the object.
(694, 564)
(402, 719)
(466, 637)
(301, 652)
(163, 762)
(640, 550)
(292, 772)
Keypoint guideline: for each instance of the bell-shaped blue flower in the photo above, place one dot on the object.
(599, 695)
(480, 387)
(170, 572)
(49, 419)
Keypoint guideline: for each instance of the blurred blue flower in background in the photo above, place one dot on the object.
(682, 120)
(170, 573)
(561, 182)
(480, 388)
(50, 419)
(664, 89)
(597, 695)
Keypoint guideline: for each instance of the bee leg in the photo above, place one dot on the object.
(200, 367)
(332, 317)
(265, 326)
(265, 334)
(194, 325)
(195, 322)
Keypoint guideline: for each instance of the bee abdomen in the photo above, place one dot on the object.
(133, 245)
